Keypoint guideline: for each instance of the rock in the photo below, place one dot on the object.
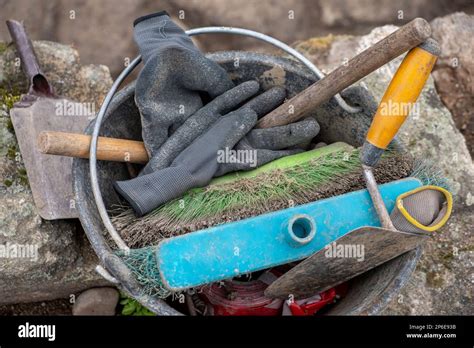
(48, 308)
(62, 67)
(319, 145)
(454, 74)
(97, 301)
(109, 41)
(57, 260)
(357, 12)
(441, 282)
(40, 19)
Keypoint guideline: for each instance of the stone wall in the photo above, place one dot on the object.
(82, 23)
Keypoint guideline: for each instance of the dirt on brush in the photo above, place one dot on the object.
(389, 169)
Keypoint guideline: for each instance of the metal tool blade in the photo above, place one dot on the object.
(50, 177)
(329, 266)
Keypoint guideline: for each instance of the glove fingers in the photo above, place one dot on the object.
(229, 100)
(196, 125)
(277, 138)
(224, 133)
(267, 101)
(231, 128)
(147, 192)
(194, 167)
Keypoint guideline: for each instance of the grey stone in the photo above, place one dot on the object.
(59, 261)
(358, 12)
(454, 73)
(96, 301)
(319, 145)
(442, 281)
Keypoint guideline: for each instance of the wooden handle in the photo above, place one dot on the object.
(78, 145)
(401, 96)
(398, 100)
(402, 40)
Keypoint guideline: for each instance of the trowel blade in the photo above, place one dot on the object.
(354, 253)
(49, 177)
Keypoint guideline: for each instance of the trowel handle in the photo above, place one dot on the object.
(399, 99)
(405, 38)
(39, 85)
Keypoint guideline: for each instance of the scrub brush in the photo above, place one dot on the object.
(293, 180)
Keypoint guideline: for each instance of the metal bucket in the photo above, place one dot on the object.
(368, 293)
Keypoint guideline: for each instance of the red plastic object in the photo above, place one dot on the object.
(238, 298)
(311, 308)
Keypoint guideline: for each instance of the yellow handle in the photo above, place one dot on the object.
(400, 96)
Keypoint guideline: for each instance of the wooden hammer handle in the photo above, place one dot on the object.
(405, 38)
(78, 145)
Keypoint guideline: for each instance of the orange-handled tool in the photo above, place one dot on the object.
(396, 104)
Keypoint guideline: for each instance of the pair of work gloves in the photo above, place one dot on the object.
(183, 135)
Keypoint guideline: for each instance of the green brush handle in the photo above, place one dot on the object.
(279, 164)
(283, 163)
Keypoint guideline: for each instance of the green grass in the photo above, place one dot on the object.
(8, 98)
(131, 307)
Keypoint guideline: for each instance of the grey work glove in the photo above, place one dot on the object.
(174, 78)
(194, 167)
(266, 144)
(198, 123)
(269, 144)
(200, 138)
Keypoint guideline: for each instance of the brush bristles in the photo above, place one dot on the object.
(143, 265)
(322, 177)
